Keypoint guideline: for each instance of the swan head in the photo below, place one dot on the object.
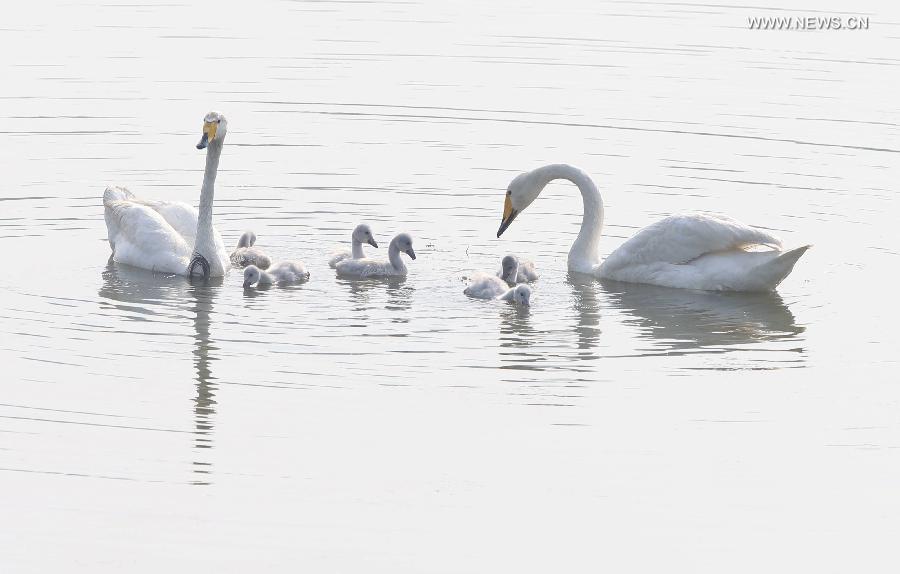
(403, 242)
(509, 268)
(251, 275)
(522, 191)
(363, 234)
(522, 295)
(215, 126)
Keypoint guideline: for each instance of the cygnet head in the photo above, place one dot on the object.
(522, 295)
(215, 126)
(520, 193)
(509, 268)
(404, 244)
(247, 239)
(363, 234)
(251, 275)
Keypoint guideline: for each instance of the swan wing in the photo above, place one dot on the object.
(183, 219)
(680, 239)
(701, 251)
(181, 216)
(140, 236)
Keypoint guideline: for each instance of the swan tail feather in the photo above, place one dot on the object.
(773, 272)
(116, 193)
(337, 258)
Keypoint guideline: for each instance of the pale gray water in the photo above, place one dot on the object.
(150, 425)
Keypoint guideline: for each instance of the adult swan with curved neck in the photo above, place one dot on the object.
(171, 236)
(690, 251)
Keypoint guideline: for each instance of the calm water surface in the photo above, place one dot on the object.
(148, 424)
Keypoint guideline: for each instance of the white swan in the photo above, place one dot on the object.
(361, 234)
(393, 267)
(246, 254)
(520, 295)
(282, 272)
(170, 236)
(513, 271)
(691, 251)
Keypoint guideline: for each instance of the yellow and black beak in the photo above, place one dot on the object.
(509, 214)
(209, 134)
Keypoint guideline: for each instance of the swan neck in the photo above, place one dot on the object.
(357, 249)
(395, 259)
(205, 241)
(584, 253)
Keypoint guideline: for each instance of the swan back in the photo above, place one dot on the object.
(288, 271)
(701, 251)
(682, 238)
(527, 272)
(244, 256)
(485, 286)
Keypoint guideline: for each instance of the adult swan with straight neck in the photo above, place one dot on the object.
(171, 236)
(690, 251)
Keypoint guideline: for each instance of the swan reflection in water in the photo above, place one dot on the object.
(518, 338)
(399, 294)
(586, 304)
(684, 319)
(140, 291)
(672, 321)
